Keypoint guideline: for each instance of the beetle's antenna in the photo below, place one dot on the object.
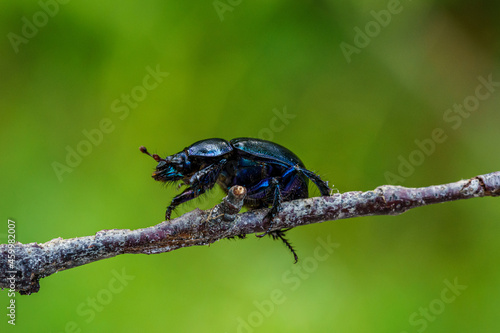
(155, 156)
(281, 235)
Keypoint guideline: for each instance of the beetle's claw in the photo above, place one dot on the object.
(281, 235)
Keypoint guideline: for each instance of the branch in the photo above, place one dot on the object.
(33, 261)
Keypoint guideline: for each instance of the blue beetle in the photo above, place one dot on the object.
(270, 172)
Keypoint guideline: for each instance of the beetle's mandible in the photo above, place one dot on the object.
(270, 172)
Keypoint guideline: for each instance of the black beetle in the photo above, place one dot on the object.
(271, 174)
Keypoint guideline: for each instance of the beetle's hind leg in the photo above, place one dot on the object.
(320, 183)
(281, 235)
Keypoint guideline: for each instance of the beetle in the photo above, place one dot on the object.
(270, 172)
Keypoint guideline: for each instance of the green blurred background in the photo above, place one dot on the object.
(233, 67)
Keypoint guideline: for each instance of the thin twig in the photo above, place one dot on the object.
(33, 261)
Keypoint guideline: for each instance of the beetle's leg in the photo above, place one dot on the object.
(279, 188)
(276, 206)
(188, 194)
(207, 177)
(281, 235)
(320, 183)
(275, 189)
(200, 182)
(288, 182)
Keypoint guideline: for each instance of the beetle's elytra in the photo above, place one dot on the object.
(271, 174)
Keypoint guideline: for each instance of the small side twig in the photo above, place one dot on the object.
(35, 261)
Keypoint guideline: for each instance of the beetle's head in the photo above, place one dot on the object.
(170, 168)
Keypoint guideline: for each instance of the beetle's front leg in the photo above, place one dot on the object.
(207, 177)
(186, 195)
(200, 182)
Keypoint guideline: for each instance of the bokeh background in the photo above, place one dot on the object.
(351, 104)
